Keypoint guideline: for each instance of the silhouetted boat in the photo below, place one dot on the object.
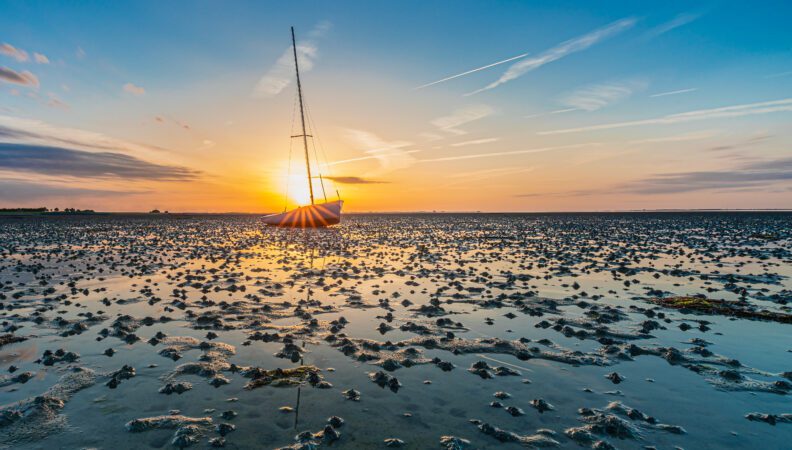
(315, 215)
(311, 216)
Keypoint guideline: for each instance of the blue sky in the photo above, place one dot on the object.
(617, 105)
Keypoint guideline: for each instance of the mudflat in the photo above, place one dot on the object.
(416, 331)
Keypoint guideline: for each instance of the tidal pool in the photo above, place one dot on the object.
(415, 331)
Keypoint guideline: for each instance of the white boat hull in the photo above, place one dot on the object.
(313, 216)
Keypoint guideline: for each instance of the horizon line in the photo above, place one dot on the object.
(592, 211)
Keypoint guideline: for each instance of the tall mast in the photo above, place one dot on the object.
(302, 117)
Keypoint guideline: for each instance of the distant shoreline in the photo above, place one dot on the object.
(148, 214)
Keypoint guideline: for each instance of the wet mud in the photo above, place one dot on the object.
(421, 331)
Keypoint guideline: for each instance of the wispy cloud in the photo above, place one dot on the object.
(21, 55)
(680, 91)
(557, 111)
(753, 140)
(24, 78)
(592, 98)
(431, 137)
(510, 153)
(761, 176)
(35, 132)
(764, 173)
(466, 178)
(778, 75)
(490, 173)
(694, 136)
(281, 75)
(41, 59)
(475, 142)
(55, 102)
(77, 163)
(13, 52)
(391, 155)
(477, 69)
(773, 106)
(566, 48)
(354, 180)
(206, 145)
(19, 191)
(676, 22)
(453, 121)
(134, 89)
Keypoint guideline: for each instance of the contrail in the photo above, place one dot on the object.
(509, 153)
(575, 45)
(471, 71)
(749, 109)
(681, 91)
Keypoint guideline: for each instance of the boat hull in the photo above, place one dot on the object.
(314, 216)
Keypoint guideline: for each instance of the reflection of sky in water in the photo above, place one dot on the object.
(397, 258)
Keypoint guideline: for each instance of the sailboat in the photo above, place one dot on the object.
(315, 215)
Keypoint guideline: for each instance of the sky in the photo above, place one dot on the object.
(412, 105)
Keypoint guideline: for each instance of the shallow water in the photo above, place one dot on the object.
(562, 299)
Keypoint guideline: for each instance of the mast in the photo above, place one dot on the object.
(302, 117)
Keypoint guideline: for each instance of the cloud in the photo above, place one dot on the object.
(13, 52)
(354, 180)
(24, 78)
(753, 140)
(676, 22)
(56, 102)
(471, 71)
(680, 91)
(16, 191)
(134, 89)
(524, 66)
(206, 145)
(510, 153)
(752, 175)
(598, 96)
(41, 59)
(28, 131)
(490, 173)
(63, 161)
(391, 155)
(557, 111)
(177, 122)
(281, 75)
(693, 136)
(778, 75)
(475, 142)
(431, 137)
(773, 106)
(466, 178)
(453, 121)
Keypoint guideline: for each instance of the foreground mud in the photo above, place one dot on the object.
(411, 331)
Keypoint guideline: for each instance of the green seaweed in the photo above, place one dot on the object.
(280, 377)
(709, 306)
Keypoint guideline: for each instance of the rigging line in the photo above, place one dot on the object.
(324, 153)
(302, 116)
(312, 127)
(318, 165)
(321, 145)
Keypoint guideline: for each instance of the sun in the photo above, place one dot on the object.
(294, 183)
